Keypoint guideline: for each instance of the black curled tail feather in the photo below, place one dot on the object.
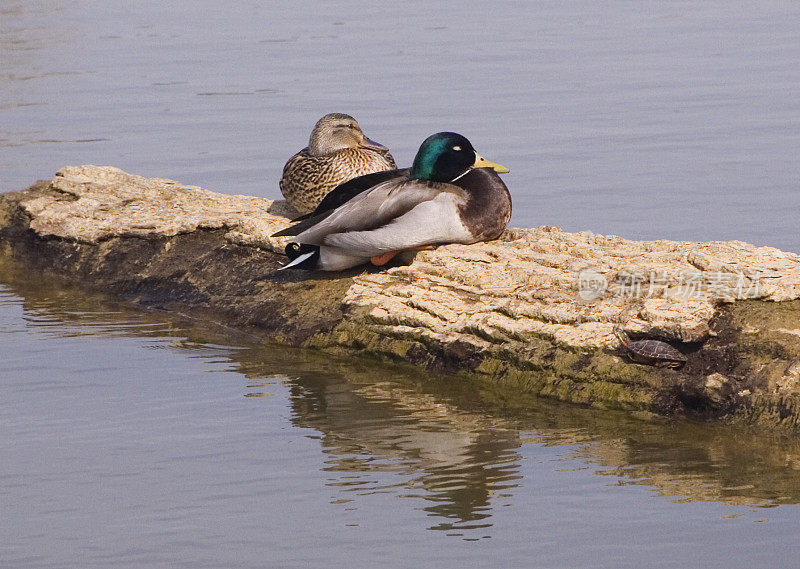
(302, 256)
(294, 250)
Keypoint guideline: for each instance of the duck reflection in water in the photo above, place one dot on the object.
(457, 446)
(459, 461)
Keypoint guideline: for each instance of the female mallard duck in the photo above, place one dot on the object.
(450, 195)
(337, 151)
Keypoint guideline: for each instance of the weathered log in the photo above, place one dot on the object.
(534, 310)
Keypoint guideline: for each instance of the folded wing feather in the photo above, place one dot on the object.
(430, 222)
(384, 204)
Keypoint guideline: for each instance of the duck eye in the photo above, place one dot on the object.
(457, 148)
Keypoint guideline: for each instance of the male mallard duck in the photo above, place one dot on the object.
(337, 151)
(450, 195)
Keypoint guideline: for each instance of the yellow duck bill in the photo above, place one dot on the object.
(481, 162)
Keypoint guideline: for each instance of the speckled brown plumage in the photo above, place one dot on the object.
(307, 179)
(337, 152)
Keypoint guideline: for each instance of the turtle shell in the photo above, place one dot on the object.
(655, 352)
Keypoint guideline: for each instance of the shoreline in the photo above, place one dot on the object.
(534, 310)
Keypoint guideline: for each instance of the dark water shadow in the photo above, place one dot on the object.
(456, 446)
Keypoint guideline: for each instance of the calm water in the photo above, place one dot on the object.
(134, 439)
(675, 119)
(138, 439)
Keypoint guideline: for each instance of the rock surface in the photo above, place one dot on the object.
(534, 310)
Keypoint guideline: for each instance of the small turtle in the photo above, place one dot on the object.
(651, 352)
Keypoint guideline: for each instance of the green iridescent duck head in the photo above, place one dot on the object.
(445, 156)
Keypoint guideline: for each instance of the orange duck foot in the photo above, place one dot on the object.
(386, 257)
